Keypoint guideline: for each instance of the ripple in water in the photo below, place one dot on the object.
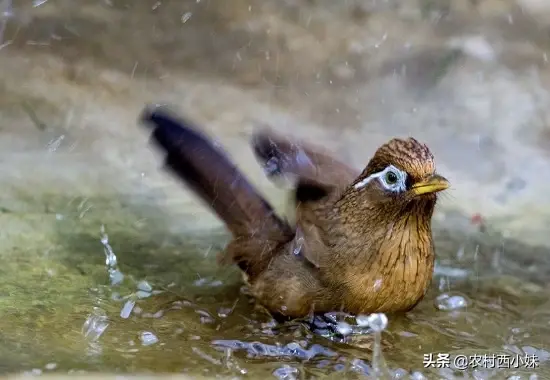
(259, 350)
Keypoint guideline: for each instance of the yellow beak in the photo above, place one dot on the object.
(432, 185)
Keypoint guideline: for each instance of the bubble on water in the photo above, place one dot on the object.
(148, 338)
(286, 372)
(450, 301)
(144, 286)
(127, 309)
(95, 324)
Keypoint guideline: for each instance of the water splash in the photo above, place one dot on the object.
(115, 274)
(378, 322)
(96, 324)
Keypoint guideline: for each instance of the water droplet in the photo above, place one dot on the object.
(377, 321)
(298, 242)
(145, 286)
(448, 302)
(186, 16)
(148, 338)
(127, 309)
(37, 3)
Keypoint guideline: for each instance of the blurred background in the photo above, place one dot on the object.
(109, 263)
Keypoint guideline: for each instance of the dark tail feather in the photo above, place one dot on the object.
(207, 170)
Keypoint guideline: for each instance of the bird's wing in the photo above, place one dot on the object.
(313, 168)
(319, 180)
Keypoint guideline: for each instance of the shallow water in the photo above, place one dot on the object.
(81, 188)
(172, 310)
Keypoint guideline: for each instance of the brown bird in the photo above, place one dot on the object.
(362, 241)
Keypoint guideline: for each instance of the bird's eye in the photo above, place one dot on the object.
(391, 178)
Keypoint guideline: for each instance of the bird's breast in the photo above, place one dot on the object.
(395, 281)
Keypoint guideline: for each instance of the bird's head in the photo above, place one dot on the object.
(400, 176)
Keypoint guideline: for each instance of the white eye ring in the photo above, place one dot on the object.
(390, 178)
